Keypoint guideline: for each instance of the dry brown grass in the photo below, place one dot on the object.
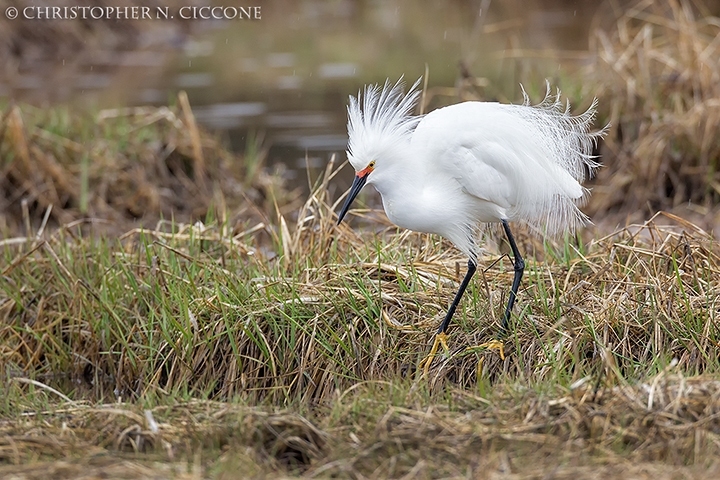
(125, 167)
(208, 312)
(319, 339)
(664, 427)
(658, 74)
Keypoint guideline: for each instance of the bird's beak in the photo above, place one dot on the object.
(357, 185)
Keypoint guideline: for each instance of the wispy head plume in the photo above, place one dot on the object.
(379, 118)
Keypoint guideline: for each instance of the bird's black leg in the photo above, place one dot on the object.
(441, 336)
(519, 268)
(451, 311)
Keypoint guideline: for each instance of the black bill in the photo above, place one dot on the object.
(357, 185)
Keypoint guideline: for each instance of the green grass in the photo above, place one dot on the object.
(300, 355)
(159, 310)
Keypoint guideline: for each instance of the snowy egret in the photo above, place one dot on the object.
(466, 165)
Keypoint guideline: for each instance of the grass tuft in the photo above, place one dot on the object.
(658, 73)
(192, 311)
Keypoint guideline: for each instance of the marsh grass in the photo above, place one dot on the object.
(304, 354)
(123, 167)
(658, 69)
(266, 340)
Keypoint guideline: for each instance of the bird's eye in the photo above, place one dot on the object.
(372, 164)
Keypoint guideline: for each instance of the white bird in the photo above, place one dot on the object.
(459, 167)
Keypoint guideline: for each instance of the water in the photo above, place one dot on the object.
(287, 76)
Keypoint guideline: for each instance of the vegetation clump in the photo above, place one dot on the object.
(658, 71)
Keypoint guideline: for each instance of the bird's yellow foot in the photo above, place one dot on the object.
(440, 339)
(491, 345)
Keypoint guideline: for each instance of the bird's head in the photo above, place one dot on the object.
(380, 123)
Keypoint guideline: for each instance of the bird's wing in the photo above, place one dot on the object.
(471, 143)
(493, 154)
(482, 170)
(511, 162)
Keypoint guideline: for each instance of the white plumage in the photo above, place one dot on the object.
(460, 167)
(472, 163)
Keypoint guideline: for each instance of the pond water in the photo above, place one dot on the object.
(286, 77)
